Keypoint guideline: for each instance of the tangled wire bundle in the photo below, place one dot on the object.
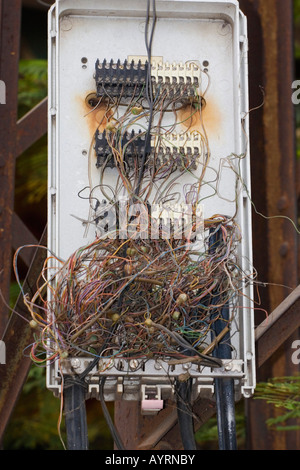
(134, 297)
(137, 299)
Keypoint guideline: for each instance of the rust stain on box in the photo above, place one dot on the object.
(208, 117)
(97, 116)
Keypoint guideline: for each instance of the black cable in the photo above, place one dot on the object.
(74, 392)
(184, 410)
(224, 387)
(225, 400)
(185, 414)
(113, 430)
(149, 91)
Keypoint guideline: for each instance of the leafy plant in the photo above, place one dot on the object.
(283, 393)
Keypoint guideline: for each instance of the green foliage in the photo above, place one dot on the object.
(31, 174)
(297, 11)
(297, 25)
(31, 167)
(33, 77)
(284, 394)
(34, 422)
(13, 293)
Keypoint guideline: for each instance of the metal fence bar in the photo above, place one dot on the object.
(31, 127)
(278, 327)
(21, 235)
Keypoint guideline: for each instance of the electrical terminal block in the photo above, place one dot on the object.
(129, 79)
(182, 151)
(151, 382)
(176, 80)
(179, 151)
(131, 147)
(114, 79)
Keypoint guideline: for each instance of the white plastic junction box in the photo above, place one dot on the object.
(202, 41)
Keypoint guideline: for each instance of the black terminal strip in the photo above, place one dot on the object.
(131, 144)
(126, 80)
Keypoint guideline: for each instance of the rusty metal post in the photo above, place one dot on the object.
(271, 66)
(18, 336)
(10, 19)
(15, 137)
